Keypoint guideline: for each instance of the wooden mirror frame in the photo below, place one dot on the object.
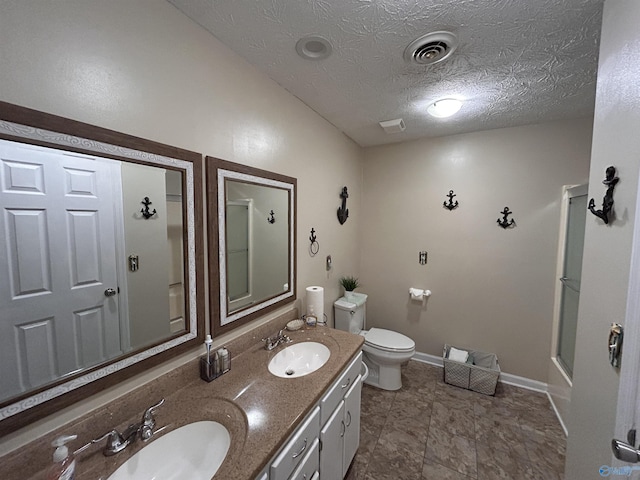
(61, 133)
(213, 166)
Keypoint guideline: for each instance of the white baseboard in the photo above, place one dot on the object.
(426, 358)
(507, 378)
(553, 405)
(523, 382)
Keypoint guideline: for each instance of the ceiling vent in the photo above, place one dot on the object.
(431, 48)
(393, 126)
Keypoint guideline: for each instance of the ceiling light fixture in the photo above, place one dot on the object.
(313, 47)
(444, 108)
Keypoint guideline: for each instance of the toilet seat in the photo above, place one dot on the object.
(388, 340)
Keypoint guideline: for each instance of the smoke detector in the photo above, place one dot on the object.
(393, 126)
(313, 47)
(431, 48)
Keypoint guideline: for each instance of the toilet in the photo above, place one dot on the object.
(384, 350)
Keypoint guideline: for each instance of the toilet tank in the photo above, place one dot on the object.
(350, 315)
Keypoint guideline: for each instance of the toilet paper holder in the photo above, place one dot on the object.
(419, 294)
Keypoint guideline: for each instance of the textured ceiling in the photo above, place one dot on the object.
(518, 61)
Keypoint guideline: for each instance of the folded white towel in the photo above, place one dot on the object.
(458, 355)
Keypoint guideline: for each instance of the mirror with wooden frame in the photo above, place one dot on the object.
(101, 260)
(252, 242)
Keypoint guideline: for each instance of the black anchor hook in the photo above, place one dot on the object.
(607, 202)
(343, 212)
(145, 211)
(451, 205)
(506, 223)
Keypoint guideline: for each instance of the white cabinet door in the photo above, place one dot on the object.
(331, 436)
(352, 424)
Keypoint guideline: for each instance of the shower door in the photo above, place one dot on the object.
(572, 271)
(238, 225)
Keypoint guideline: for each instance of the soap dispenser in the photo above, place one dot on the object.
(64, 463)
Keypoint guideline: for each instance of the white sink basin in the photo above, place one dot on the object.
(194, 451)
(299, 359)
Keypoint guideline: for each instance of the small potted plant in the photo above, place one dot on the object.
(349, 284)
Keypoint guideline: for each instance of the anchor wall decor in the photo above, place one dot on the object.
(343, 211)
(145, 211)
(314, 247)
(451, 204)
(607, 202)
(506, 223)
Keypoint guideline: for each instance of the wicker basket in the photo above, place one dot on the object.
(480, 376)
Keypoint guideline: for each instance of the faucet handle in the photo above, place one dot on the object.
(269, 343)
(283, 337)
(115, 442)
(147, 417)
(148, 421)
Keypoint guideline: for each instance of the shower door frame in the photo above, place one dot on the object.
(568, 192)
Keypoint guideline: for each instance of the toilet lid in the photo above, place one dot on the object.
(389, 340)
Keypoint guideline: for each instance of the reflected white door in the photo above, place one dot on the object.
(57, 260)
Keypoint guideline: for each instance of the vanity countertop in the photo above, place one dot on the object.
(274, 406)
(259, 409)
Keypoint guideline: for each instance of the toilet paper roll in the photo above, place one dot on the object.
(416, 293)
(315, 301)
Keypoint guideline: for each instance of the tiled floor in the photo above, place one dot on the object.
(429, 430)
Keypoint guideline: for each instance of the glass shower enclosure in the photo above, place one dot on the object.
(571, 274)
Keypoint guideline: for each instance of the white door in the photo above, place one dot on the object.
(628, 408)
(57, 259)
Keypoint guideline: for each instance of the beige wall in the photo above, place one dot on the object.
(493, 289)
(147, 239)
(607, 249)
(144, 69)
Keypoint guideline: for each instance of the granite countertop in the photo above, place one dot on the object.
(259, 409)
(274, 406)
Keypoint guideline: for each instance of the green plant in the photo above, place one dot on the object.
(349, 283)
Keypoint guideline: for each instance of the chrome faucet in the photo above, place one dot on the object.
(148, 422)
(116, 442)
(272, 342)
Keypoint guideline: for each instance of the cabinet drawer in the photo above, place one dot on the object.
(337, 391)
(308, 468)
(296, 448)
